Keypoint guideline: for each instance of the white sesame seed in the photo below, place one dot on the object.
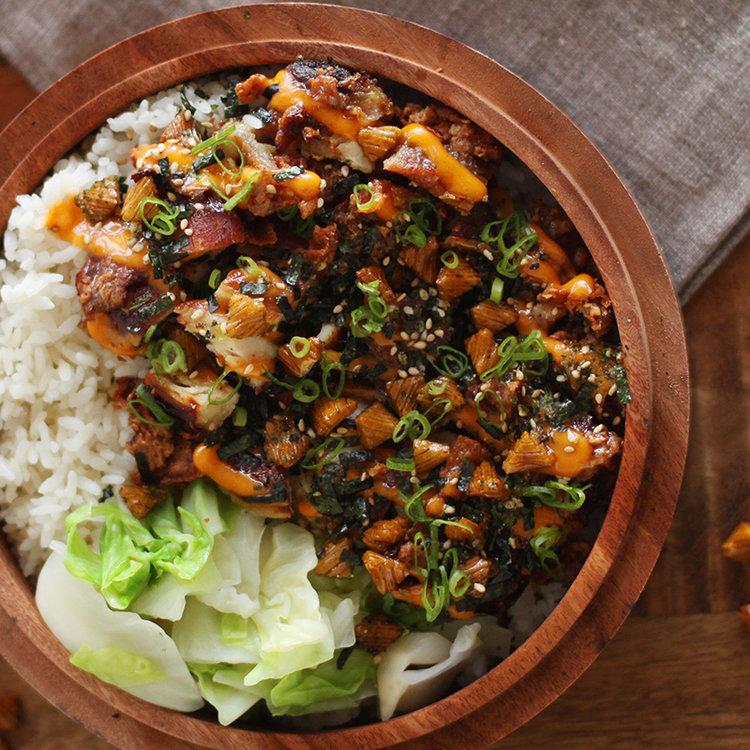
(569, 449)
(189, 232)
(585, 349)
(612, 390)
(338, 309)
(448, 510)
(310, 432)
(533, 424)
(585, 365)
(520, 375)
(561, 378)
(420, 345)
(598, 428)
(409, 310)
(320, 203)
(173, 167)
(616, 420)
(487, 254)
(198, 206)
(139, 163)
(521, 411)
(404, 335)
(403, 374)
(430, 337)
(433, 291)
(592, 378)
(183, 224)
(386, 261)
(271, 189)
(345, 170)
(575, 374)
(598, 398)
(171, 195)
(187, 114)
(439, 332)
(572, 436)
(480, 588)
(393, 351)
(414, 336)
(413, 371)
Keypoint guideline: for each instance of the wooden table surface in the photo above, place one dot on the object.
(677, 675)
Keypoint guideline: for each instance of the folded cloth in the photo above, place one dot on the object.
(661, 88)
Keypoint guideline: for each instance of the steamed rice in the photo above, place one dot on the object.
(61, 440)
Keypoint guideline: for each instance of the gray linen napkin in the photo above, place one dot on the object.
(663, 88)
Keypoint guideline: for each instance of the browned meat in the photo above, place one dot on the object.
(187, 395)
(329, 559)
(122, 292)
(212, 229)
(322, 248)
(386, 572)
(384, 535)
(140, 500)
(464, 449)
(528, 454)
(377, 631)
(104, 285)
(466, 141)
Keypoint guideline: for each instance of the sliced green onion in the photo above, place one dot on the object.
(163, 222)
(239, 416)
(213, 140)
(400, 464)
(414, 424)
(496, 293)
(246, 188)
(548, 494)
(426, 216)
(214, 279)
(413, 235)
(413, 507)
(236, 174)
(513, 240)
(306, 391)
(447, 405)
(435, 388)
(145, 399)
(216, 383)
(299, 346)
(541, 545)
(358, 191)
(364, 322)
(217, 189)
(452, 361)
(496, 430)
(511, 352)
(248, 266)
(327, 368)
(449, 258)
(150, 333)
(369, 287)
(322, 448)
(172, 357)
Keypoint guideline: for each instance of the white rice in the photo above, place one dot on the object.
(61, 441)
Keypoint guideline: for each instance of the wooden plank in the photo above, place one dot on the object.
(663, 682)
(691, 575)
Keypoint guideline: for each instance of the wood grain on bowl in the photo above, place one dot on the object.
(610, 224)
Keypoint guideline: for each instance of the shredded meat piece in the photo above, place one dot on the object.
(377, 631)
(386, 572)
(384, 535)
(469, 143)
(528, 454)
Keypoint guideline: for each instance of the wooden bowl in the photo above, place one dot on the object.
(611, 225)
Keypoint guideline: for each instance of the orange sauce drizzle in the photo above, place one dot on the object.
(208, 463)
(457, 179)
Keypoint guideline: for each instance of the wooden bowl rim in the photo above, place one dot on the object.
(610, 223)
